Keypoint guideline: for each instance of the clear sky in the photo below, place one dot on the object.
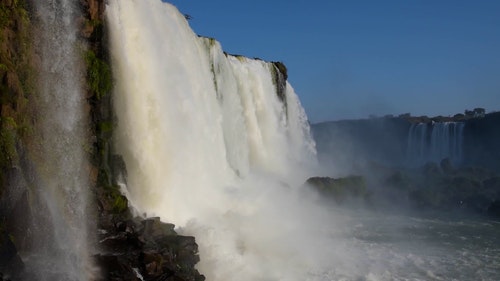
(353, 58)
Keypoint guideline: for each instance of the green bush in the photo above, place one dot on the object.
(99, 76)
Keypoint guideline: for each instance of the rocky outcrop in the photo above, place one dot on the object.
(340, 189)
(431, 187)
(16, 90)
(129, 248)
(146, 249)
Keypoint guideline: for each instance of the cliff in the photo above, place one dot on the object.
(481, 141)
(350, 143)
(378, 150)
(125, 247)
(17, 64)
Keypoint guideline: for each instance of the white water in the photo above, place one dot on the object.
(434, 142)
(210, 147)
(59, 233)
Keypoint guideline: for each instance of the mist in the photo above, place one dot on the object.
(220, 146)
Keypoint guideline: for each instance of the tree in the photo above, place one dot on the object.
(479, 112)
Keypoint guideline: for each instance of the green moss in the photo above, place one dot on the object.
(99, 76)
(106, 127)
(117, 203)
(5, 15)
(120, 204)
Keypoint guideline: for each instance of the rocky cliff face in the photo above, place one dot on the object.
(17, 63)
(128, 248)
(350, 143)
(482, 142)
(377, 150)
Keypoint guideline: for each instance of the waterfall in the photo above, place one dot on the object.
(59, 233)
(434, 142)
(211, 146)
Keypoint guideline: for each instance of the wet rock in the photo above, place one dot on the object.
(114, 267)
(154, 229)
(152, 261)
(494, 209)
(340, 189)
(10, 262)
(149, 248)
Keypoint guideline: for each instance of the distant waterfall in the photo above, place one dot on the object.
(434, 142)
(59, 233)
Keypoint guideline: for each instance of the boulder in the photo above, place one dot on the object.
(147, 248)
(340, 189)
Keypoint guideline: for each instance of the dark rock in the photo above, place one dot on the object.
(152, 261)
(114, 267)
(147, 247)
(7, 249)
(155, 229)
(10, 262)
(340, 189)
(494, 209)
(121, 243)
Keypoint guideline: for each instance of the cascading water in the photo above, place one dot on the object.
(60, 248)
(217, 145)
(434, 142)
(210, 146)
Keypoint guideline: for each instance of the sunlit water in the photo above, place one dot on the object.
(211, 147)
(416, 247)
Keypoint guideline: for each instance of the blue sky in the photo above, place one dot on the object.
(353, 58)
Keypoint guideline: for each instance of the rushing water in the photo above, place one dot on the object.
(59, 233)
(210, 146)
(434, 142)
(385, 246)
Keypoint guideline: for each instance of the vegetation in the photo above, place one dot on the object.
(17, 81)
(99, 75)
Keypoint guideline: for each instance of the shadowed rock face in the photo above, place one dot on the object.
(482, 142)
(147, 248)
(431, 187)
(127, 248)
(340, 189)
